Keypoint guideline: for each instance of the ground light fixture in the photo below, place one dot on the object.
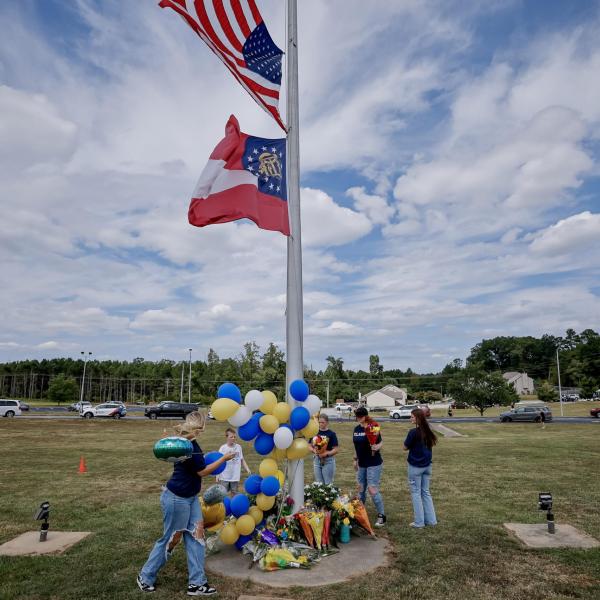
(42, 514)
(545, 503)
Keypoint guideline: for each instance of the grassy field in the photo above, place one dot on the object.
(480, 481)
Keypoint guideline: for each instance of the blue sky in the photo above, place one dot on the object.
(450, 181)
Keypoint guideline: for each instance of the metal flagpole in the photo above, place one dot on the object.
(294, 308)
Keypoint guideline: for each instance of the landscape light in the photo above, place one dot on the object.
(42, 514)
(545, 503)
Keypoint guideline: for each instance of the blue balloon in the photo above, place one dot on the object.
(249, 430)
(252, 484)
(264, 443)
(299, 390)
(242, 541)
(257, 415)
(286, 425)
(230, 390)
(227, 503)
(299, 418)
(269, 485)
(240, 505)
(212, 457)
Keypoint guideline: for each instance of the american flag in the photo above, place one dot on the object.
(234, 30)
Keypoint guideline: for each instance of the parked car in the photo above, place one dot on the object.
(108, 410)
(595, 412)
(210, 415)
(526, 413)
(79, 406)
(170, 409)
(460, 405)
(403, 412)
(342, 407)
(9, 408)
(570, 397)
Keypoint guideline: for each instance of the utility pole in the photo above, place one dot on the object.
(327, 393)
(559, 386)
(190, 379)
(85, 359)
(181, 390)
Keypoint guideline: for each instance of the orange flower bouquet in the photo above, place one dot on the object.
(361, 517)
(319, 443)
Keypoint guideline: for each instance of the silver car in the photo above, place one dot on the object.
(526, 413)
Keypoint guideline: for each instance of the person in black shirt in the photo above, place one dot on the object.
(182, 513)
(324, 446)
(368, 464)
(419, 443)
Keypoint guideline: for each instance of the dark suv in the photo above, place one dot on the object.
(170, 409)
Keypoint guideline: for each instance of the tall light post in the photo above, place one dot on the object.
(85, 359)
(181, 389)
(559, 386)
(190, 378)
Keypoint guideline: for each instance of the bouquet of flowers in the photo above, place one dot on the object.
(372, 429)
(319, 443)
(360, 516)
(320, 495)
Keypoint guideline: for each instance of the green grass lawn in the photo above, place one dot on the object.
(480, 481)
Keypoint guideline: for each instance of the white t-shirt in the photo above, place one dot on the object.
(233, 469)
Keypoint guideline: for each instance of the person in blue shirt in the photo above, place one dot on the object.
(324, 446)
(182, 513)
(368, 464)
(418, 444)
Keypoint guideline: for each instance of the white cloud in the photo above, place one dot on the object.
(573, 235)
(325, 223)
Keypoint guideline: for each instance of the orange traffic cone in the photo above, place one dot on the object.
(82, 467)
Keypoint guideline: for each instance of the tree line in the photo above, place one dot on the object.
(146, 381)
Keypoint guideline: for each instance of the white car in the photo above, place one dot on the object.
(9, 408)
(343, 408)
(109, 410)
(403, 412)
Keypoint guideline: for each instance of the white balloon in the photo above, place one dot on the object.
(240, 417)
(283, 437)
(253, 400)
(312, 404)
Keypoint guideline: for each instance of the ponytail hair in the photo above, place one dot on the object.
(429, 438)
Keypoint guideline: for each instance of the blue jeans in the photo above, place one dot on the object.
(418, 480)
(369, 478)
(179, 514)
(324, 473)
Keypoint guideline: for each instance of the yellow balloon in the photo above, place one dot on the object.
(311, 429)
(299, 449)
(265, 502)
(267, 467)
(282, 411)
(245, 525)
(269, 423)
(229, 534)
(223, 408)
(213, 515)
(278, 454)
(280, 476)
(256, 514)
(270, 401)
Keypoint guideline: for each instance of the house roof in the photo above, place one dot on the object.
(389, 390)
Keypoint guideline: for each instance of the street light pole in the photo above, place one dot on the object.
(85, 359)
(559, 387)
(190, 379)
(181, 390)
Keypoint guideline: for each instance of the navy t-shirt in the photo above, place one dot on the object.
(419, 455)
(362, 448)
(185, 481)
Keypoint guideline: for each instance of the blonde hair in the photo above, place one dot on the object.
(194, 423)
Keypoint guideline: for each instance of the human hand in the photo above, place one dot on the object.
(229, 455)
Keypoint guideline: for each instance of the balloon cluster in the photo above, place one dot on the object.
(278, 429)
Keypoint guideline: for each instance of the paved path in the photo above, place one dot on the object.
(445, 431)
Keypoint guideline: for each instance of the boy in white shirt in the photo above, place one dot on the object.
(230, 477)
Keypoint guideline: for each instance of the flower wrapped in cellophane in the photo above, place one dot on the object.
(360, 516)
(372, 429)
